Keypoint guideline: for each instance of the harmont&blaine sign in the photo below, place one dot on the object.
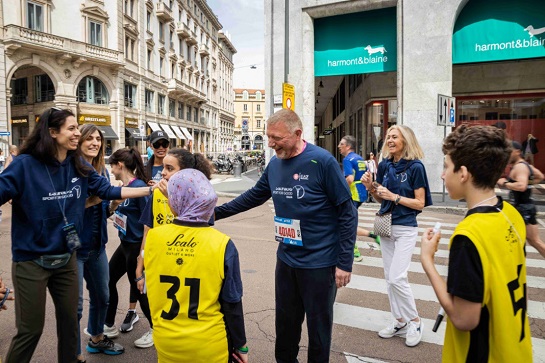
(502, 30)
(364, 42)
(98, 120)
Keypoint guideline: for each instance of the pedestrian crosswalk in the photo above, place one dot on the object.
(372, 320)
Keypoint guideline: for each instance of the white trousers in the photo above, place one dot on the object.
(397, 252)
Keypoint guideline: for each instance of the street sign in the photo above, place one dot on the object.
(288, 96)
(5, 133)
(446, 110)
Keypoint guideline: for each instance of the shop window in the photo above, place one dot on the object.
(92, 90)
(161, 105)
(130, 95)
(44, 90)
(171, 107)
(149, 100)
(95, 33)
(19, 91)
(35, 19)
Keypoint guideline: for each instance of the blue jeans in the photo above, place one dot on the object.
(93, 266)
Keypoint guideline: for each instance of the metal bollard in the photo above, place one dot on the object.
(237, 169)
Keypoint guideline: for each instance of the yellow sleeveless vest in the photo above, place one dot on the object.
(161, 211)
(502, 256)
(184, 276)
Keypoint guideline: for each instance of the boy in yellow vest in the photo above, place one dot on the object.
(485, 295)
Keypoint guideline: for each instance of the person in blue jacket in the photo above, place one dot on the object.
(92, 258)
(315, 225)
(49, 183)
(127, 166)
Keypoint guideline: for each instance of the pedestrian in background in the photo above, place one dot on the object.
(127, 166)
(160, 143)
(353, 168)
(402, 190)
(315, 225)
(49, 183)
(485, 296)
(210, 268)
(91, 257)
(13, 152)
(372, 166)
(521, 177)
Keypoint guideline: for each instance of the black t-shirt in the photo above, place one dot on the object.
(465, 270)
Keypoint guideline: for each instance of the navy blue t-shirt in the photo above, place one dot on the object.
(411, 179)
(132, 208)
(156, 173)
(308, 188)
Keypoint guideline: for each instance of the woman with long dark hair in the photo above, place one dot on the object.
(127, 166)
(49, 183)
(92, 259)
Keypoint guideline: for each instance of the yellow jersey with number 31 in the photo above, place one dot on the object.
(184, 277)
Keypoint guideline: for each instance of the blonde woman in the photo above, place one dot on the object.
(403, 189)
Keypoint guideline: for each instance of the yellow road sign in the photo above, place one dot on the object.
(288, 96)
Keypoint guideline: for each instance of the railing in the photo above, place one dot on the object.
(19, 99)
(46, 41)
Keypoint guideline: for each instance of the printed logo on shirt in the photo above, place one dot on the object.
(180, 247)
(300, 176)
(75, 191)
(74, 180)
(299, 191)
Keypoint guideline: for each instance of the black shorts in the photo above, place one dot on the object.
(528, 212)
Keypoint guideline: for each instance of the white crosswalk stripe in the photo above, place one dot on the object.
(374, 320)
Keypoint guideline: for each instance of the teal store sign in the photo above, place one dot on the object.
(499, 30)
(356, 43)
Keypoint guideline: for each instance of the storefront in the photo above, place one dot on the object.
(132, 132)
(498, 57)
(19, 129)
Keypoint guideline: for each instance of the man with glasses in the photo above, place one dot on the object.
(159, 142)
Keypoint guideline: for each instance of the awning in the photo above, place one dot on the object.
(134, 132)
(178, 132)
(168, 130)
(187, 134)
(154, 126)
(109, 133)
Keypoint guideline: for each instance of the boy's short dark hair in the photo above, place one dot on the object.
(483, 150)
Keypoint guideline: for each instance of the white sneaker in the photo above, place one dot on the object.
(146, 341)
(111, 332)
(394, 329)
(414, 333)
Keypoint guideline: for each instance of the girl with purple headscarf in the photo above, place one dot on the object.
(193, 279)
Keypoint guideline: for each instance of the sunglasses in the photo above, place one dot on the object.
(160, 143)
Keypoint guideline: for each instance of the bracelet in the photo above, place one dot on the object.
(243, 350)
(139, 278)
(398, 198)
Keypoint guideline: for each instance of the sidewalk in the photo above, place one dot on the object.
(226, 185)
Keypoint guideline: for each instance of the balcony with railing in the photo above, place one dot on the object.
(204, 50)
(177, 88)
(192, 39)
(182, 29)
(163, 11)
(66, 50)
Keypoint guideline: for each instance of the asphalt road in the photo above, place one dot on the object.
(361, 308)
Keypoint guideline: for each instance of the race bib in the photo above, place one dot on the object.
(120, 222)
(288, 231)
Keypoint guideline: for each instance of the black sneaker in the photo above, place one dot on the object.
(106, 346)
(130, 320)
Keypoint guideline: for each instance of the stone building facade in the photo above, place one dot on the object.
(249, 119)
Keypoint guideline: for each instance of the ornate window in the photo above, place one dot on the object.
(92, 90)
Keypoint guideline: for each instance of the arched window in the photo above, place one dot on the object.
(258, 96)
(245, 95)
(92, 90)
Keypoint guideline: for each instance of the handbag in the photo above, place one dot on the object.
(383, 224)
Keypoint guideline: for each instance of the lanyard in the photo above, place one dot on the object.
(62, 208)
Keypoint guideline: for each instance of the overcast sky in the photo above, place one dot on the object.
(244, 20)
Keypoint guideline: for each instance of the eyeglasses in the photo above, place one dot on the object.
(160, 143)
